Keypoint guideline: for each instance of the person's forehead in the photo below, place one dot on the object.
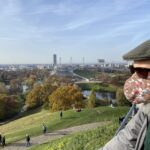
(142, 64)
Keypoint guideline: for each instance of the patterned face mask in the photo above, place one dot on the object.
(135, 87)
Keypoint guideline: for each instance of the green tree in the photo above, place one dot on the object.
(92, 99)
(121, 99)
(65, 97)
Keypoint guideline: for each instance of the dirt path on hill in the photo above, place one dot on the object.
(21, 145)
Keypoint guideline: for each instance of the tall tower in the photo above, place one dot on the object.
(54, 60)
(83, 60)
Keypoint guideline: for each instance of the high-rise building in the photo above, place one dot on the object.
(54, 60)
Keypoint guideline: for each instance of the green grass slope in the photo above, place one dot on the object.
(89, 140)
(32, 123)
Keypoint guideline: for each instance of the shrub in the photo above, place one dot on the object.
(121, 99)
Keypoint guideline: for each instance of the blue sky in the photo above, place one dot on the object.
(31, 31)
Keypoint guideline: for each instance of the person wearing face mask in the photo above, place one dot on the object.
(138, 85)
(136, 134)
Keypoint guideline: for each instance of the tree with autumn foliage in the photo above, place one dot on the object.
(9, 106)
(46, 90)
(65, 97)
(30, 81)
(34, 97)
(39, 95)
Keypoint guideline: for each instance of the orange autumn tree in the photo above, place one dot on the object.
(34, 97)
(65, 97)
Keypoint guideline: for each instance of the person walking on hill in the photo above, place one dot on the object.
(27, 140)
(3, 141)
(44, 128)
(61, 114)
(0, 138)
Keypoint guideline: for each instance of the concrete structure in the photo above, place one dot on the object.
(54, 60)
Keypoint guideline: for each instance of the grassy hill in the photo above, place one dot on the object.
(32, 123)
(87, 140)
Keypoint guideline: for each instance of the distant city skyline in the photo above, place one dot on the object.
(31, 31)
